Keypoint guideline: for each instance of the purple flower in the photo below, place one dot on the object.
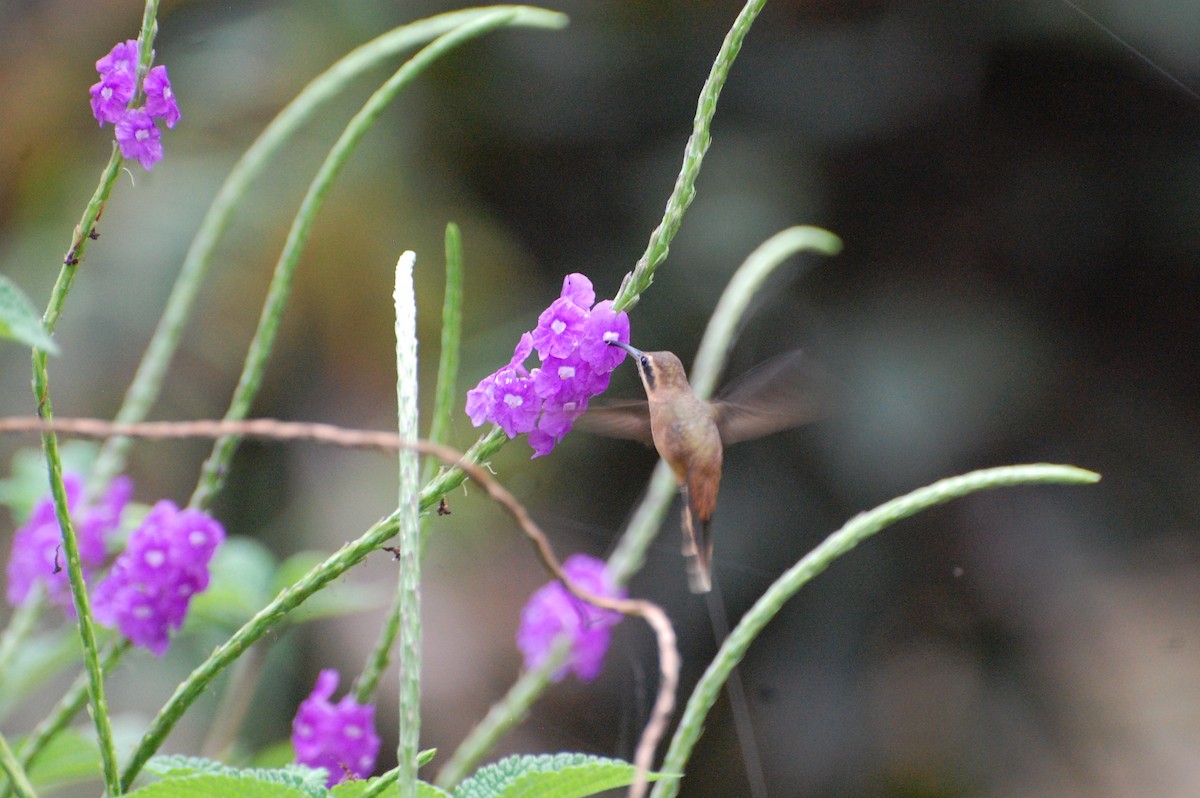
(553, 611)
(338, 737)
(147, 592)
(556, 421)
(568, 379)
(139, 138)
(571, 341)
(506, 398)
(110, 95)
(117, 84)
(122, 58)
(37, 546)
(603, 326)
(136, 132)
(160, 100)
(559, 328)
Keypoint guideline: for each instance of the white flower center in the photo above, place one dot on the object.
(106, 93)
(512, 400)
(610, 336)
(566, 372)
(154, 558)
(142, 135)
(558, 325)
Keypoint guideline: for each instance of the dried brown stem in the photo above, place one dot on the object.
(272, 429)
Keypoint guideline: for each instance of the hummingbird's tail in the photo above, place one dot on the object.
(697, 549)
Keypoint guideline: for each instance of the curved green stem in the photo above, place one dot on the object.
(746, 282)
(681, 197)
(17, 777)
(854, 532)
(445, 397)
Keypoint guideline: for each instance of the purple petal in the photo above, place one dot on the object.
(160, 99)
(578, 289)
(139, 138)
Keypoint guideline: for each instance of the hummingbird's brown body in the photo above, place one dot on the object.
(684, 431)
(690, 434)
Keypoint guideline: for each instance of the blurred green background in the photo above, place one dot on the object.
(1020, 201)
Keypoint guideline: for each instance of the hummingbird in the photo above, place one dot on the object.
(691, 434)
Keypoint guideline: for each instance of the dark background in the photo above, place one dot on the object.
(1018, 197)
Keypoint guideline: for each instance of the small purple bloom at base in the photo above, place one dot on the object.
(338, 737)
(553, 611)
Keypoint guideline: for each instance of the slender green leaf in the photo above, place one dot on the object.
(243, 579)
(20, 321)
(70, 758)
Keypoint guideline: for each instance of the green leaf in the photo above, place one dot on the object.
(20, 321)
(295, 781)
(358, 789)
(274, 755)
(210, 785)
(243, 573)
(35, 661)
(549, 776)
(29, 482)
(70, 757)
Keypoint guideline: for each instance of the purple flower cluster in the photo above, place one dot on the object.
(553, 611)
(571, 339)
(338, 737)
(37, 547)
(147, 592)
(137, 134)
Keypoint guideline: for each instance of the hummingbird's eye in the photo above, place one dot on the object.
(645, 362)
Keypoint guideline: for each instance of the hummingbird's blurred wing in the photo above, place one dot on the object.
(628, 419)
(786, 391)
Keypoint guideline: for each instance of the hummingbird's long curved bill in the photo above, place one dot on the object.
(631, 350)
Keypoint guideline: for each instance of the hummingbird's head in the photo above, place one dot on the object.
(662, 373)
